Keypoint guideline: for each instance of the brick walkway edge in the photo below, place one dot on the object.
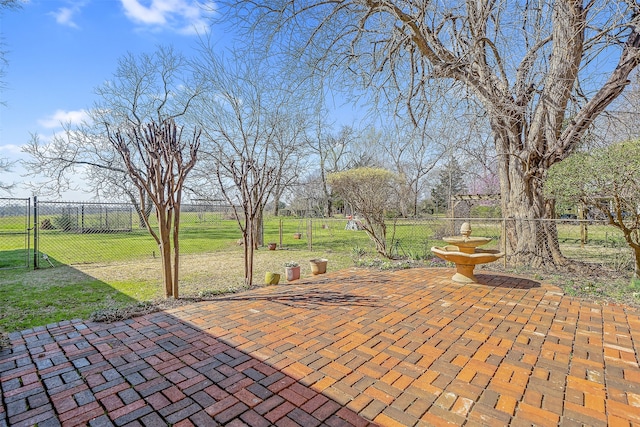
(348, 348)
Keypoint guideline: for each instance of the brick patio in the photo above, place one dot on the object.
(347, 348)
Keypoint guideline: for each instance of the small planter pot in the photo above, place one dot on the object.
(271, 278)
(292, 273)
(318, 266)
(297, 236)
(272, 246)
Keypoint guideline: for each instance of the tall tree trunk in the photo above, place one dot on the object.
(328, 202)
(258, 229)
(277, 194)
(165, 253)
(329, 207)
(532, 237)
(249, 243)
(176, 248)
(636, 257)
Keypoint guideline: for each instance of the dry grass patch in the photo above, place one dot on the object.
(211, 272)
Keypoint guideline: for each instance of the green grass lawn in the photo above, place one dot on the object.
(38, 297)
(12, 258)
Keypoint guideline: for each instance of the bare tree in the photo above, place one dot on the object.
(288, 154)
(371, 192)
(158, 161)
(130, 145)
(530, 64)
(5, 166)
(250, 123)
(620, 121)
(412, 152)
(309, 197)
(4, 6)
(480, 164)
(145, 88)
(332, 151)
(10, 4)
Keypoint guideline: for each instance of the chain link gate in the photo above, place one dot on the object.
(15, 233)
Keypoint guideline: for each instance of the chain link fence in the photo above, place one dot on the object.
(15, 233)
(588, 241)
(86, 232)
(407, 238)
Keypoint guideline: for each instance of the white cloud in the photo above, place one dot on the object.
(182, 16)
(61, 116)
(65, 15)
(142, 14)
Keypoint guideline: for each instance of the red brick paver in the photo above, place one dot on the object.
(354, 347)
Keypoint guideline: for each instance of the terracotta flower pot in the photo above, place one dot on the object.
(292, 273)
(318, 266)
(272, 246)
(297, 236)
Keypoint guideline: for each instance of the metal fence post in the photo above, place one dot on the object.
(36, 236)
(28, 231)
(504, 241)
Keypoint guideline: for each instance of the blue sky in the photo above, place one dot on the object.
(59, 51)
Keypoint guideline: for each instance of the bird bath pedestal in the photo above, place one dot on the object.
(464, 252)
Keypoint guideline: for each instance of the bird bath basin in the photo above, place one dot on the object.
(463, 250)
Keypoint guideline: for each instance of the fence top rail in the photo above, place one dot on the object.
(561, 220)
(472, 221)
(85, 203)
(22, 199)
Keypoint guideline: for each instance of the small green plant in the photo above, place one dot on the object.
(116, 313)
(385, 265)
(291, 264)
(357, 252)
(415, 255)
(209, 293)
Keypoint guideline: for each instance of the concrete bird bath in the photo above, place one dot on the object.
(464, 252)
